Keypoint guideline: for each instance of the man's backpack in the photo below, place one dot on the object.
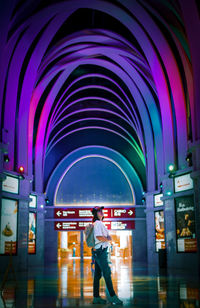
(89, 235)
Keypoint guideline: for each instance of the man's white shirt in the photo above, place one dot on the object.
(100, 230)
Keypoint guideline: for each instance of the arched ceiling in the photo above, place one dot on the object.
(114, 74)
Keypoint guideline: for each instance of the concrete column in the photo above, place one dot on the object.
(151, 248)
(194, 148)
(177, 260)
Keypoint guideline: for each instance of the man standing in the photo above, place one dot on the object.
(102, 239)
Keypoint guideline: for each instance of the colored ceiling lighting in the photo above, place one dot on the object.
(47, 201)
(21, 169)
(171, 167)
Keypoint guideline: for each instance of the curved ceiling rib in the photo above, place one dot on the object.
(128, 90)
(58, 85)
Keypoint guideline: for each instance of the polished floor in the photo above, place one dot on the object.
(69, 284)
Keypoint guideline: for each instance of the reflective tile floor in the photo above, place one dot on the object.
(69, 284)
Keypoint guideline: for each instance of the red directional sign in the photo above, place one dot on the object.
(85, 212)
(80, 225)
(121, 212)
(73, 213)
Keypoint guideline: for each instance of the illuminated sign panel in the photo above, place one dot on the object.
(32, 233)
(157, 200)
(185, 224)
(80, 225)
(8, 231)
(85, 212)
(33, 202)
(11, 185)
(159, 230)
(183, 182)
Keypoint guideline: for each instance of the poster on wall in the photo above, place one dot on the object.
(159, 230)
(33, 202)
(11, 185)
(157, 200)
(32, 233)
(8, 235)
(183, 182)
(185, 224)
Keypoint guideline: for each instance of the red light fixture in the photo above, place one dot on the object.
(21, 169)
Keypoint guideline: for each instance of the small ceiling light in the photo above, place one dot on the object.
(171, 167)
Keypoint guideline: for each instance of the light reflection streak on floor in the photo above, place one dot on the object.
(73, 280)
(69, 284)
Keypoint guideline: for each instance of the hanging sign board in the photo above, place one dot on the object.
(80, 225)
(85, 212)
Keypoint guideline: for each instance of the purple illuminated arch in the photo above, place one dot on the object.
(162, 94)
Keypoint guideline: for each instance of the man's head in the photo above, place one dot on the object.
(97, 213)
(97, 209)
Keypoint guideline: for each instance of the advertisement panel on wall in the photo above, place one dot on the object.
(157, 200)
(159, 230)
(8, 234)
(11, 185)
(185, 224)
(32, 233)
(33, 202)
(183, 182)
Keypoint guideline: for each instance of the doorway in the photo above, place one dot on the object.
(69, 245)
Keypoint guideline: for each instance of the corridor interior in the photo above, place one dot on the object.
(69, 283)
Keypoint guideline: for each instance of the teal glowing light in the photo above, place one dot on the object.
(169, 193)
(171, 167)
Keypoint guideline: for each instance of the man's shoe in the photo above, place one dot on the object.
(115, 300)
(99, 300)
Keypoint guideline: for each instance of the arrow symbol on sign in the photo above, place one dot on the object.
(58, 225)
(130, 212)
(58, 213)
